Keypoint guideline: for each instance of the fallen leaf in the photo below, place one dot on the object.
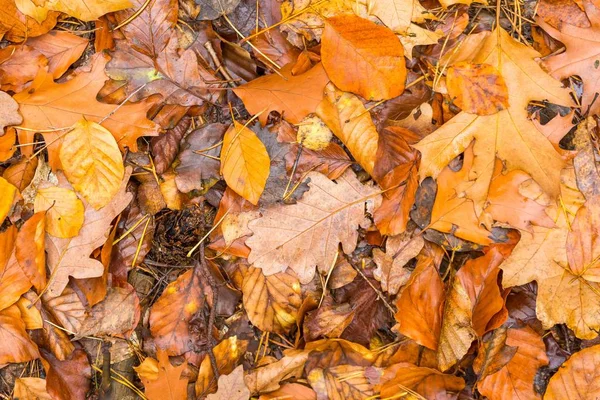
(516, 378)
(340, 382)
(31, 389)
(577, 378)
(228, 354)
(347, 117)
(166, 146)
(9, 192)
(267, 378)
(17, 26)
(303, 235)
(91, 160)
(245, 163)
(272, 302)
(399, 250)
(71, 256)
(477, 88)
(427, 382)
(103, 321)
(291, 390)
(13, 281)
(292, 96)
(231, 387)
(580, 55)
(362, 57)
(70, 378)
(16, 347)
(30, 250)
(421, 303)
(171, 316)
(18, 67)
(10, 111)
(64, 211)
(329, 320)
(168, 383)
(197, 166)
(61, 105)
(86, 10)
(61, 48)
(518, 143)
(583, 242)
(213, 9)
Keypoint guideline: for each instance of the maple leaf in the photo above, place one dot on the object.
(162, 380)
(513, 138)
(293, 96)
(50, 105)
(71, 257)
(581, 54)
(577, 377)
(307, 234)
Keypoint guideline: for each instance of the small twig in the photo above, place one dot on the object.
(213, 310)
(106, 388)
(220, 68)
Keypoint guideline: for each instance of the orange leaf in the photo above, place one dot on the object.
(61, 48)
(31, 389)
(292, 96)
(30, 250)
(166, 382)
(64, 211)
(60, 105)
(578, 378)
(6, 201)
(245, 163)
(16, 347)
(13, 282)
(18, 66)
(228, 354)
(362, 57)
(427, 382)
(477, 88)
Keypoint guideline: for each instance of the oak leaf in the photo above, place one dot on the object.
(362, 57)
(231, 387)
(581, 53)
(245, 163)
(71, 257)
(92, 163)
(514, 138)
(577, 378)
(64, 211)
(18, 67)
(60, 105)
(477, 88)
(61, 48)
(306, 235)
(292, 96)
(272, 302)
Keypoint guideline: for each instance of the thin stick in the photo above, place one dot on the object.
(213, 311)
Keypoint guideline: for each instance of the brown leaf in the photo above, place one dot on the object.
(167, 382)
(420, 304)
(399, 250)
(477, 88)
(581, 46)
(267, 378)
(10, 111)
(583, 241)
(291, 390)
(427, 382)
(171, 315)
(340, 382)
(231, 387)
(67, 308)
(577, 378)
(271, 302)
(61, 105)
(68, 379)
(228, 354)
(18, 26)
(104, 321)
(586, 170)
(61, 48)
(362, 57)
(292, 96)
(329, 320)
(21, 173)
(16, 346)
(166, 146)
(18, 66)
(516, 378)
(197, 167)
(304, 235)
(71, 257)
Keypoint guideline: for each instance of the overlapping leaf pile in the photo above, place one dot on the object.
(329, 199)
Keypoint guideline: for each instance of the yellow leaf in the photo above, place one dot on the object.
(65, 211)
(245, 163)
(92, 162)
(8, 194)
(85, 10)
